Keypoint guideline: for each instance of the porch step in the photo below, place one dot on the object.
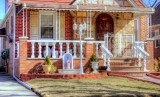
(123, 61)
(125, 68)
(129, 73)
(68, 71)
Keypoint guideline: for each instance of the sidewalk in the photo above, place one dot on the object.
(10, 88)
(147, 78)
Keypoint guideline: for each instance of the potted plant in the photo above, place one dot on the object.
(47, 65)
(92, 64)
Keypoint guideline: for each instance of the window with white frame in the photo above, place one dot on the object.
(47, 26)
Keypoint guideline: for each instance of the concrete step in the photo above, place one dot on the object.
(129, 73)
(125, 68)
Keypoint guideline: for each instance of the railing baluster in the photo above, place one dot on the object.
(61, 52)
(67, 47)
(101, 50)
(53, 50)
(82, 50)
(47, 48)
(33, 56)
(75, 50)
(40, 48)
(97, 50)
(145, 63)
(17, 49)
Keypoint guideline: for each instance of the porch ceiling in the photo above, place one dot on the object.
(100, 8)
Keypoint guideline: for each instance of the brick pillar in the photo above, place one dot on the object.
(89, 50)
(22, 54)
(150, 59)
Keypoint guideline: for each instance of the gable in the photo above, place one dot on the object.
(120, 3)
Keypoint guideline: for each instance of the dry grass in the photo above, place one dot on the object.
(109, 86)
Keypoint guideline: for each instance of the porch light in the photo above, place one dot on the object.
(81, 28)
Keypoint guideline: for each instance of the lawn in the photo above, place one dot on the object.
(109, 86)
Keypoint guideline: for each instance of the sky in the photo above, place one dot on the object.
(2, 7)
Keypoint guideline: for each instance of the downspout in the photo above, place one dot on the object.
(17, 79)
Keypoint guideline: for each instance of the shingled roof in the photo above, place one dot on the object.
(65, 2)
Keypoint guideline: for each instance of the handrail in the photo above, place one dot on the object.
(140, 50)
(50, 40)
(106, 51)
(106, 54)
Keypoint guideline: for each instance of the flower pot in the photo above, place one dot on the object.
(94, 67)
(46, 69)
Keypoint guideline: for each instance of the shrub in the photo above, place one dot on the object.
(156, 65)
(49, 62)
(93, 58)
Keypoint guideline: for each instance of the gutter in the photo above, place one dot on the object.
(17, 79)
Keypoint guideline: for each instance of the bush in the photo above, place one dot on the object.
(49, 62)
(156, 65)
(93, 58)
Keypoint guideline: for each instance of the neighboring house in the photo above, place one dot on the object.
(155, 29)
(50, 27)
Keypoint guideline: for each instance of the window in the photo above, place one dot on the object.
(157, 43)
(47, 26)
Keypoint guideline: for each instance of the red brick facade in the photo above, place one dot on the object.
(123, 23)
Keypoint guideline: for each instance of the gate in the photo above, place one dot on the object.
(121, 45)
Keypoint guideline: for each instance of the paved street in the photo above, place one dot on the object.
(10, 88)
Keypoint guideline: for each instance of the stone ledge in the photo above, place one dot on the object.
(27, 77)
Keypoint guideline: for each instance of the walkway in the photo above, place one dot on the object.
(10, 88)
(147, 78)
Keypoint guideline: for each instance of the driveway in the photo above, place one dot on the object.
(11, 88)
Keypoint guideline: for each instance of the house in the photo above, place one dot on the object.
(35, 28)
(155, 29)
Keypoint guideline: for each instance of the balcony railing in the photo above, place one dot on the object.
(54, 48)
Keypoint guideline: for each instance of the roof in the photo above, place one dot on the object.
(64, 2)
(139, 3)
(89, 8)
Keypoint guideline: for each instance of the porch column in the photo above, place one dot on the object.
(150, 48)
(22, 54)
(89, 45)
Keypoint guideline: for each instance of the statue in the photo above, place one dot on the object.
(68, 63)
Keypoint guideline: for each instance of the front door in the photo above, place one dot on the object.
(104, 25)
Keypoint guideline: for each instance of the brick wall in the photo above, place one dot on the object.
(25, 65)
(144, 27)
(149, 47)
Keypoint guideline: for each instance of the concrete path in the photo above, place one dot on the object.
(154, 80)
(11, 88)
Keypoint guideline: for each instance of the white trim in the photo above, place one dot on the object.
(138, 29)
(54, 23)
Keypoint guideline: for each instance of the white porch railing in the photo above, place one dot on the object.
(17, 50)
(121, 45)
(140, 53)
(53, 52)
(98, 48)
(106, 56)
